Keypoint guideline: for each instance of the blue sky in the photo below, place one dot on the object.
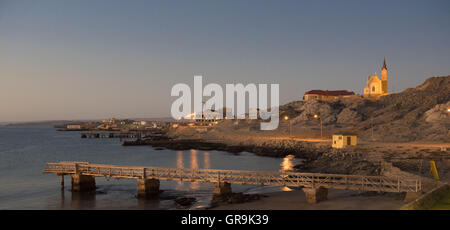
(99, 59)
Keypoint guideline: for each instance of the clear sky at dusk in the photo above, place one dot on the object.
(101, 59)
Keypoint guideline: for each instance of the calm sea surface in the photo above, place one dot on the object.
(24, 150)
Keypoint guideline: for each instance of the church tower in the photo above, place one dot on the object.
(384, 77)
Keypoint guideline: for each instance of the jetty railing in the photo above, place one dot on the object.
(294, 179)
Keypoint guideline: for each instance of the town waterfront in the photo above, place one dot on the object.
(24, 150)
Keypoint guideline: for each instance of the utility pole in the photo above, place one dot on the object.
(371, 124)
(290, 128)
(321, 132)
(320, 119)
(290, 125)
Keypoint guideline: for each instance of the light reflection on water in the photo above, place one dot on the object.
(26, 149)
(180, 166)
(287, 165)
(194, 165)
(206, 160)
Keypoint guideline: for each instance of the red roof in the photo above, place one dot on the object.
(330, 92)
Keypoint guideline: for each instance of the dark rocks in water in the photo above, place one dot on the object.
(235, 198)
(235, 149)
(159, 148)
(136, 142)
(185, 201)
(394, 195)
(148, 141)
(167, 197)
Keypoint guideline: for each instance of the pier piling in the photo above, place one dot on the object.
(147, 187)
(82, 183)
(62, 182)
(222, 189)
(315, 195)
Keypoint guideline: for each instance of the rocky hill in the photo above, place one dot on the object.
(415, 114)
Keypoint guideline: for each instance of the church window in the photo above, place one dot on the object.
(373, 88)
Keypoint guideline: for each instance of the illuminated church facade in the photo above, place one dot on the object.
(375, 86)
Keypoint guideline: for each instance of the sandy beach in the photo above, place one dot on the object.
(337, 200)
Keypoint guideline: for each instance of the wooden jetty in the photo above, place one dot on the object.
(315, 185)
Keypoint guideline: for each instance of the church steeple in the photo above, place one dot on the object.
(384, 77)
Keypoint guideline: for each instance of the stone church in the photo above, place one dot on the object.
(375, 86)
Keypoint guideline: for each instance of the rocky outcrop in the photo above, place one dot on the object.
(348, 116)
(415, 114)
(438, 113)
(310, 108)
(348, 162)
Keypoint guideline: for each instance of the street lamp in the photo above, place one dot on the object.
(290, 125)
(320, 119)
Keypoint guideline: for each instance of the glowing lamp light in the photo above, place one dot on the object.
(316, 116)
(286, 117)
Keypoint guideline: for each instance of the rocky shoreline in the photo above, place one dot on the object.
(317, 157)
(320, 159)
(276, 149)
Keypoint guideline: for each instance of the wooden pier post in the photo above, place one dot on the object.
(62, 181)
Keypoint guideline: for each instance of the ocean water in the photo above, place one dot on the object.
(24, 150)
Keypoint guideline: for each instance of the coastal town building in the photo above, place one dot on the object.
(73, 126)
(327, 95)
(206, 116)
(376, 87)
(139, 123)
(343, 139)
